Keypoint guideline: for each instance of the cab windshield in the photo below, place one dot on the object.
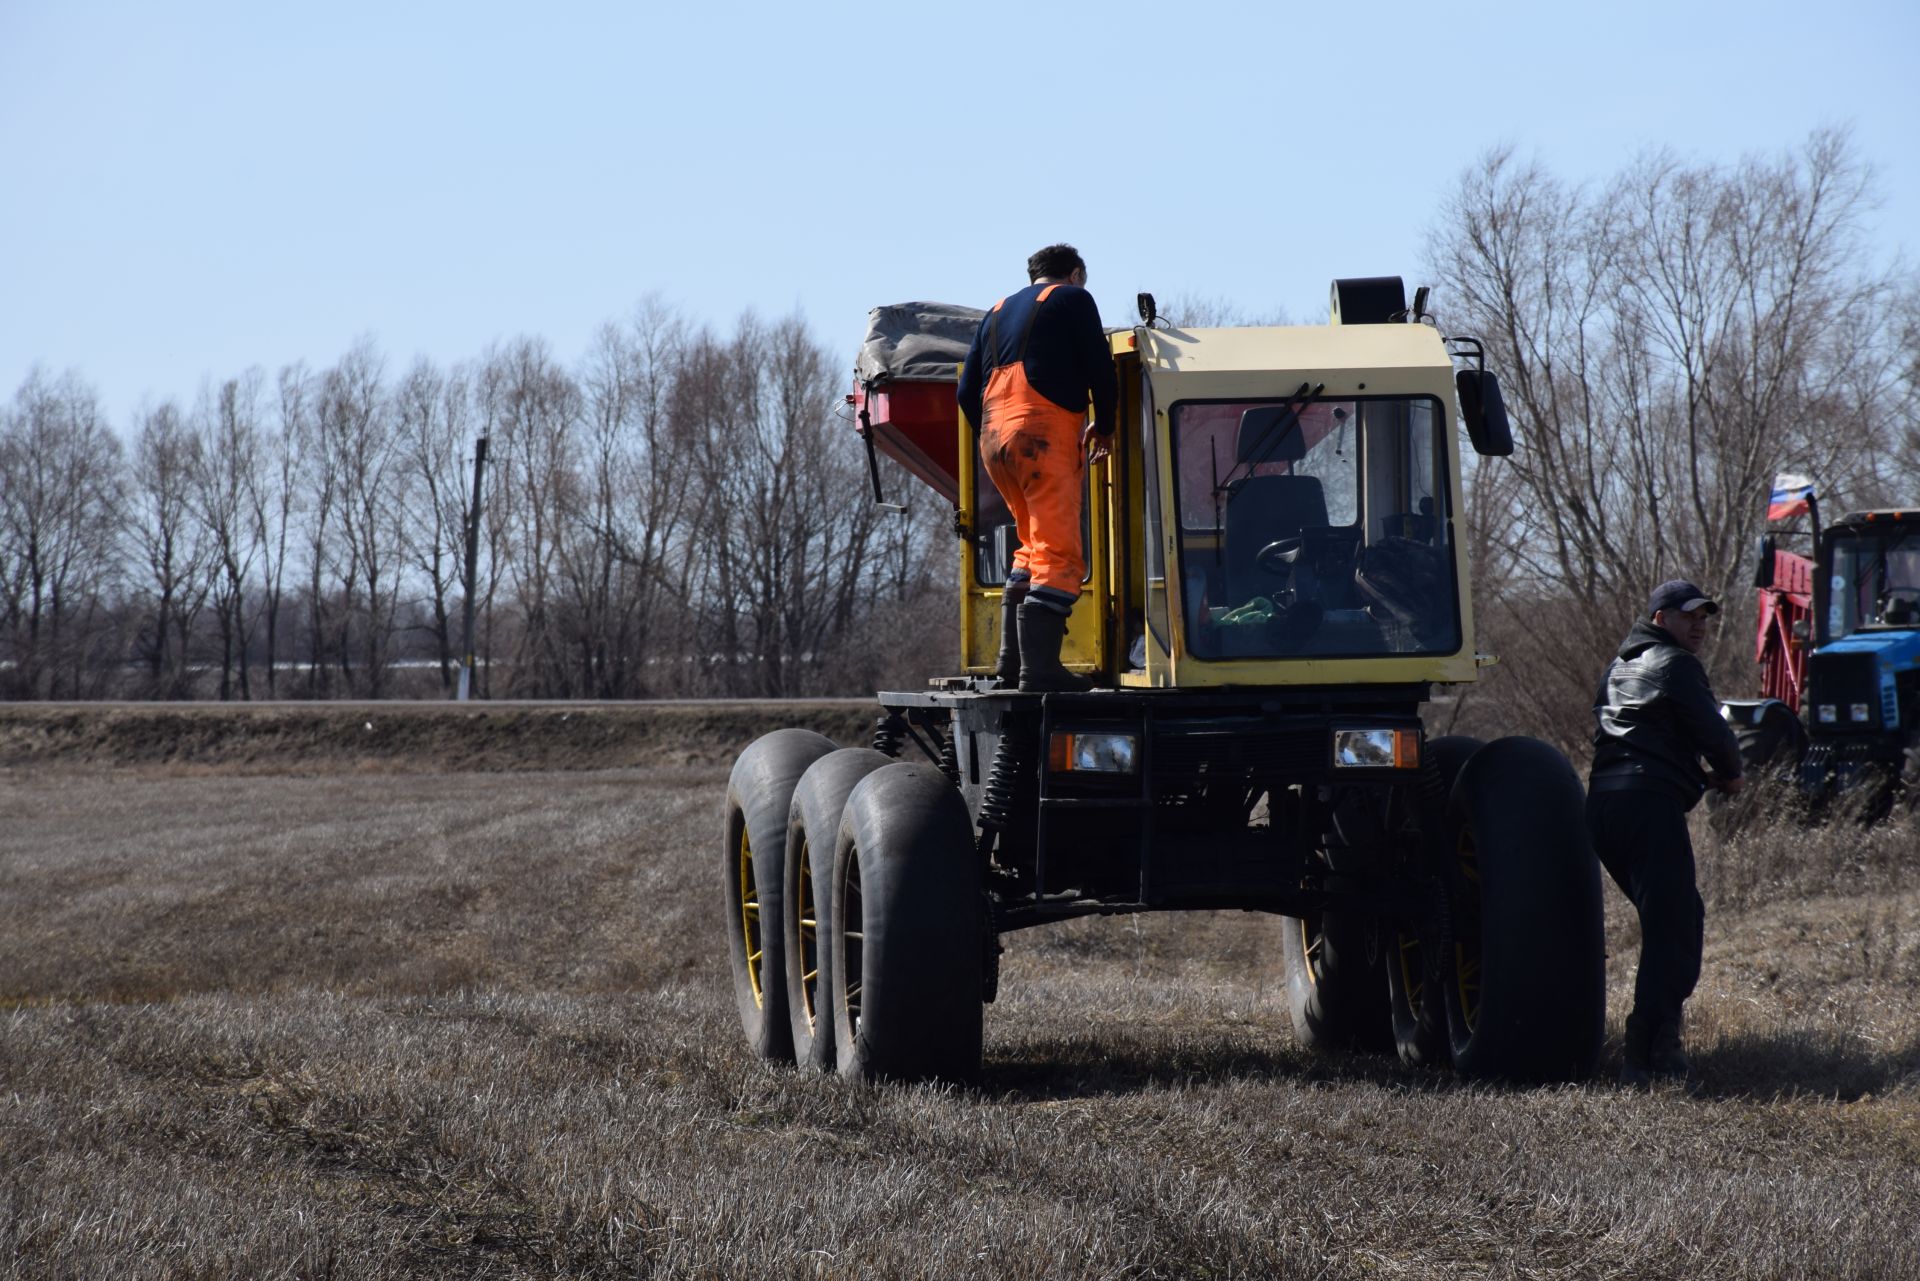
(1314, 527)
(1874, 582)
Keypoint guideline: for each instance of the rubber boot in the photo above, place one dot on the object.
(1008, 670)
(1041, 632)
(1636, 1067)
(1666, 1059)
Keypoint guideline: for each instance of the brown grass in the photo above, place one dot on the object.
(476, 1025)
(279, 738)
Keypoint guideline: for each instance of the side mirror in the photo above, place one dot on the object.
(1484, 412)
(1763, 565)
(1271, 434)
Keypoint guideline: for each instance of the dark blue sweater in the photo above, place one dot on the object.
(1067, 357)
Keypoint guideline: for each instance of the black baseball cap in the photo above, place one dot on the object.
(1681, 595)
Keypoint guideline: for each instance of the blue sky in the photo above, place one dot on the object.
(190, 189)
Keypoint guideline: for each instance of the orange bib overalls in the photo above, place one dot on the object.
(1031, 450)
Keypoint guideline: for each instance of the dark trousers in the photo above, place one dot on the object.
(1641, 838)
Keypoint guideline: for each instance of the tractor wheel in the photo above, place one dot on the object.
(907, 924)
(1774, 738)
(1337, 983)
(1526, 990)
(812, 827)
(759, 792)
(1415, 965)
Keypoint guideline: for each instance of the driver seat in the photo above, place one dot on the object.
(1264, 509)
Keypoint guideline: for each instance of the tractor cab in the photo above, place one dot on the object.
(1871, 575)
(1279, 507)
(1864, 676)
(1299, 490)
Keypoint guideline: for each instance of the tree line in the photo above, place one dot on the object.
(684, 512)
(1667, 342)
(680, 513)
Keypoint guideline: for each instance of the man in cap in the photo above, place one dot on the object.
(1655, 719)
(1038, 360)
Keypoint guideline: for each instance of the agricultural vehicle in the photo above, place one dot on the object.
(1276, 584)
(1839, 651)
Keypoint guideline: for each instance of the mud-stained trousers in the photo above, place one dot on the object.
(1031, 450)
(1641, 837)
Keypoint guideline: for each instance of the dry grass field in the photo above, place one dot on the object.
(346, 1012)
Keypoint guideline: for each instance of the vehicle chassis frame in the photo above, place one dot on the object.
(1363, 841)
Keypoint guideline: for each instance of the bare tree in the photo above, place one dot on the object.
(537, 407)
(227, 481)
(623, 578)
(652, 532)
(275, 499)
(907, 610)
(329, 557)
(176, 557)
(705, 405)
(594, 574)
(433, 414)
(1667, 343)
(783, 533)
(351, 412)
(60, 493)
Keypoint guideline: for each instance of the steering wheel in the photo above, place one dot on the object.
(1277, 556)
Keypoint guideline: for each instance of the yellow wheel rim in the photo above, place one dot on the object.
(851, 928)
(1313, 943)
(1413, 975)
(1466, 955)
(750, 917)
(806, 923)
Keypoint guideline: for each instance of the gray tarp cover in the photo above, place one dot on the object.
(921, 341)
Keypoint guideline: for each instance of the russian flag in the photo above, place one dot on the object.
(1790, 494)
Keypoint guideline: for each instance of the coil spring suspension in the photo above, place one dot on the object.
(1010, 763)
(949, 761)
(889, 734)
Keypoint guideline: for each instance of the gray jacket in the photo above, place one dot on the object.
(1655, 717)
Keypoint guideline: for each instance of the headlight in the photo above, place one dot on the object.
(1376, 748)
(1859, 711)
(1099, 753)
(1828, 713)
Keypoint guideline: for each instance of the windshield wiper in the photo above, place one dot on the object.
(1289, 420)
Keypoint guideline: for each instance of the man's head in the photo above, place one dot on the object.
(1681, 610)
(1057, 262)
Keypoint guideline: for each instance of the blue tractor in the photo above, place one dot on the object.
(1862, 698)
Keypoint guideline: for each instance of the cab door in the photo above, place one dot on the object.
(986, 551)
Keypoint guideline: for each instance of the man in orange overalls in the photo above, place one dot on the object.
(1036, 361)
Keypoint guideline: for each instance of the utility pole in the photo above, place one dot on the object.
(473, 570)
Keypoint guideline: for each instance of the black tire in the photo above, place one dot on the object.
(813, 826)
(752, 869)
(1774, 741)
(908, 929)
(1337, 983)
(1526, 987)
(1415, 964)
